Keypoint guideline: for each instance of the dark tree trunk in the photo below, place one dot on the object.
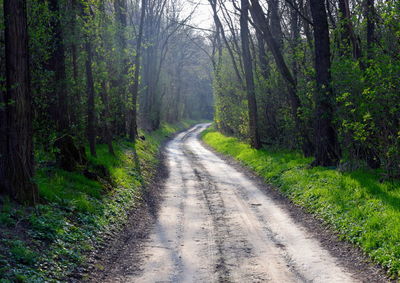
(57, 65)
(248, 70)
(90, 130)
(220, 28)
(106, 114)
(348, 38)
(77, 99)
(327, 151)
(275, 23)
(121, 82)
(3, 124)
(262, 55)
(3, 140)
(261, 23)
(295, 38)
(369, 15)
(90, 105)
(133, 131)
(19, 160)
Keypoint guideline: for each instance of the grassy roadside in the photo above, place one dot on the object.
(356, 204)
(46, 243)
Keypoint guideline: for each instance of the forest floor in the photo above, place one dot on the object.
(211, 220)
(76, 216)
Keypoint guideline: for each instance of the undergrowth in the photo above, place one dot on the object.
(357, 204)
(48, 242)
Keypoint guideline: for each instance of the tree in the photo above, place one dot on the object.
(121, 82)
(369, 16)
(327, 151)
(261, 23)
(57, 65)
(90, 105)
(19, 161)
(133, 132)
(248, 70)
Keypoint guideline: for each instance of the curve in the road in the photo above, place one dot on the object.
(215, 225)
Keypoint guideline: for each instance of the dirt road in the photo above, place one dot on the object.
(216, 225)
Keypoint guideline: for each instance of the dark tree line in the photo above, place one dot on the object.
(321, 76)
(92, 72)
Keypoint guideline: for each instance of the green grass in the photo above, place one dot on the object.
(46, 243)
(356, 204)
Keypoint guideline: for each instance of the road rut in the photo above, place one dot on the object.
(216, 225)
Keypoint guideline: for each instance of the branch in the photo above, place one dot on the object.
(299, 12)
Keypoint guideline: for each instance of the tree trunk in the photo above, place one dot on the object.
(248, 70)
(275, 23)
(90, 130)
(133, 132)
(19, 159)
(57, 65)
(348, 38)
(261, 23)
(262, 55)
(220, 28)
(3, 141)
(106, 114)
(369, 15)
(75, 106)
(327, 151)
(121, 82)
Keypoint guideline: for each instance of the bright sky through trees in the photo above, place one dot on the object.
(202, 15)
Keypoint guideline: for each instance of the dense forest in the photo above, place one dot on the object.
(320, 76)
(85, 72)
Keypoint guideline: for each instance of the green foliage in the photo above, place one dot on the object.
(230, 100)
(46, 244)
(368, 110)
(364, 210)
(365, 83)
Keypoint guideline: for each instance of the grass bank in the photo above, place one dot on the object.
(48, 242)
(361, 208)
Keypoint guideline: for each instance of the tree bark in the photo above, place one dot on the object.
(121, 123)
(327, 151)
(106, 114)
(348, 39)
(57, 65)
(75, 105)
(220, 28)
(275, 23)
(133, 132)
(3, 140)
(19, 159)
(248, 70)
(261, 23)
(262, 55)
(369, 15)
(90, 130)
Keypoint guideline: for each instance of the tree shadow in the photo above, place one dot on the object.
(372, 185)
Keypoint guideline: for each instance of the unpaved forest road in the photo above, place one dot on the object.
(215, 225)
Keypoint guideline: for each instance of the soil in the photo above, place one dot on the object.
(208, 219)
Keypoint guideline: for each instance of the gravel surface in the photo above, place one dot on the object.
(210, 220)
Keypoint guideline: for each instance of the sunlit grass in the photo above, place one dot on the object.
(362, 209)
(74, 210)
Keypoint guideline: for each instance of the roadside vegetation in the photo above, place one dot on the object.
(48, 242)
(360, 205)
